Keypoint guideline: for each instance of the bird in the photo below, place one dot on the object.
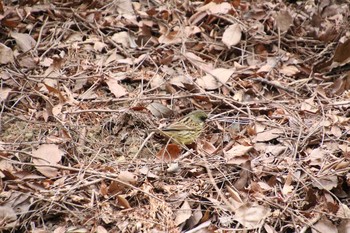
(186, 130)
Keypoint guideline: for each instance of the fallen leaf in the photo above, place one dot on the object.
(326, 182)
(47, 154)
(101, 229)
(4, 93)
(169, 153)
(7, 215)
(215, 78)
(214, 8)
(6, 54)
(324, 225)
(116, 88)
(24, 41)
(236, 151)
(183, 213)
(123, 202)
(268, 135)
(289, 70)
(283, 20)
(159, 110)
(125, 39)
(127, 177)
(287, 187)
(251, 215)
(232, 35)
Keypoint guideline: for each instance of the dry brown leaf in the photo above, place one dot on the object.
(116, 88)
(283, 20)
(125, 39)
(47, 154)
(6, 54)
(127, 177)
(289, 70)
(287, 187)
(336, 131)
(271, 63)
(215, 78)
(169, 153)
(309, 105)
(195, 218)
(7, 216)
(101, 229)
(344, 226)
(123, 202)
(99, 46)
(232, 35)
(268, 135)
(199, 62)
(159, 110)
(326, 183)
(46, 62)
(236, 151)
(4, 93)
(251, 215)
(125, 8)
(24, 41)
(183, 213)
(157, 82)
(180, 80)
(214, 8)
(60, 230)
(208, 147)
(234, 195)
(342, 55)
(324, 225)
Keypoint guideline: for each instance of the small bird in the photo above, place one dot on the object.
(188, 129)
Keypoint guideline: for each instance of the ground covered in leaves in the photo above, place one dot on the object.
(83, 83)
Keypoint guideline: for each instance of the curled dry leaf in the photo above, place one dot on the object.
(326, 182)
(6, 54)
(232, 35)
(324, 225)
(4, 93)
(183, 213)
(252, 215)
(159, 110)
(237, 154)
(24, 41)
(289, 70)
(47, 154)
(283, 20)
(214, 8)
(215, 78)
(169, 152)
(116, 88)
(7, 215)
(127, 177)
(268, 135)
(124, 39)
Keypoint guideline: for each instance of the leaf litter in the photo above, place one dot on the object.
(84, 83)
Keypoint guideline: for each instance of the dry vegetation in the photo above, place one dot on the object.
(84, 82)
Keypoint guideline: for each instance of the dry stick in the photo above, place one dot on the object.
(339, 103)
(108, 176)
(142, 146)
(271, 83)
(212, 181)
(40, 34)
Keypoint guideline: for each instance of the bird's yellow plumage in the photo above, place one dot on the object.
(188, 129)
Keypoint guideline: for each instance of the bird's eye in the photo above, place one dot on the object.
(203, 118)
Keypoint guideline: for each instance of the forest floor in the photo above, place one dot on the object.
(84, 83)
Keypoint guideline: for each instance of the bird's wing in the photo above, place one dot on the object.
(178, 126)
